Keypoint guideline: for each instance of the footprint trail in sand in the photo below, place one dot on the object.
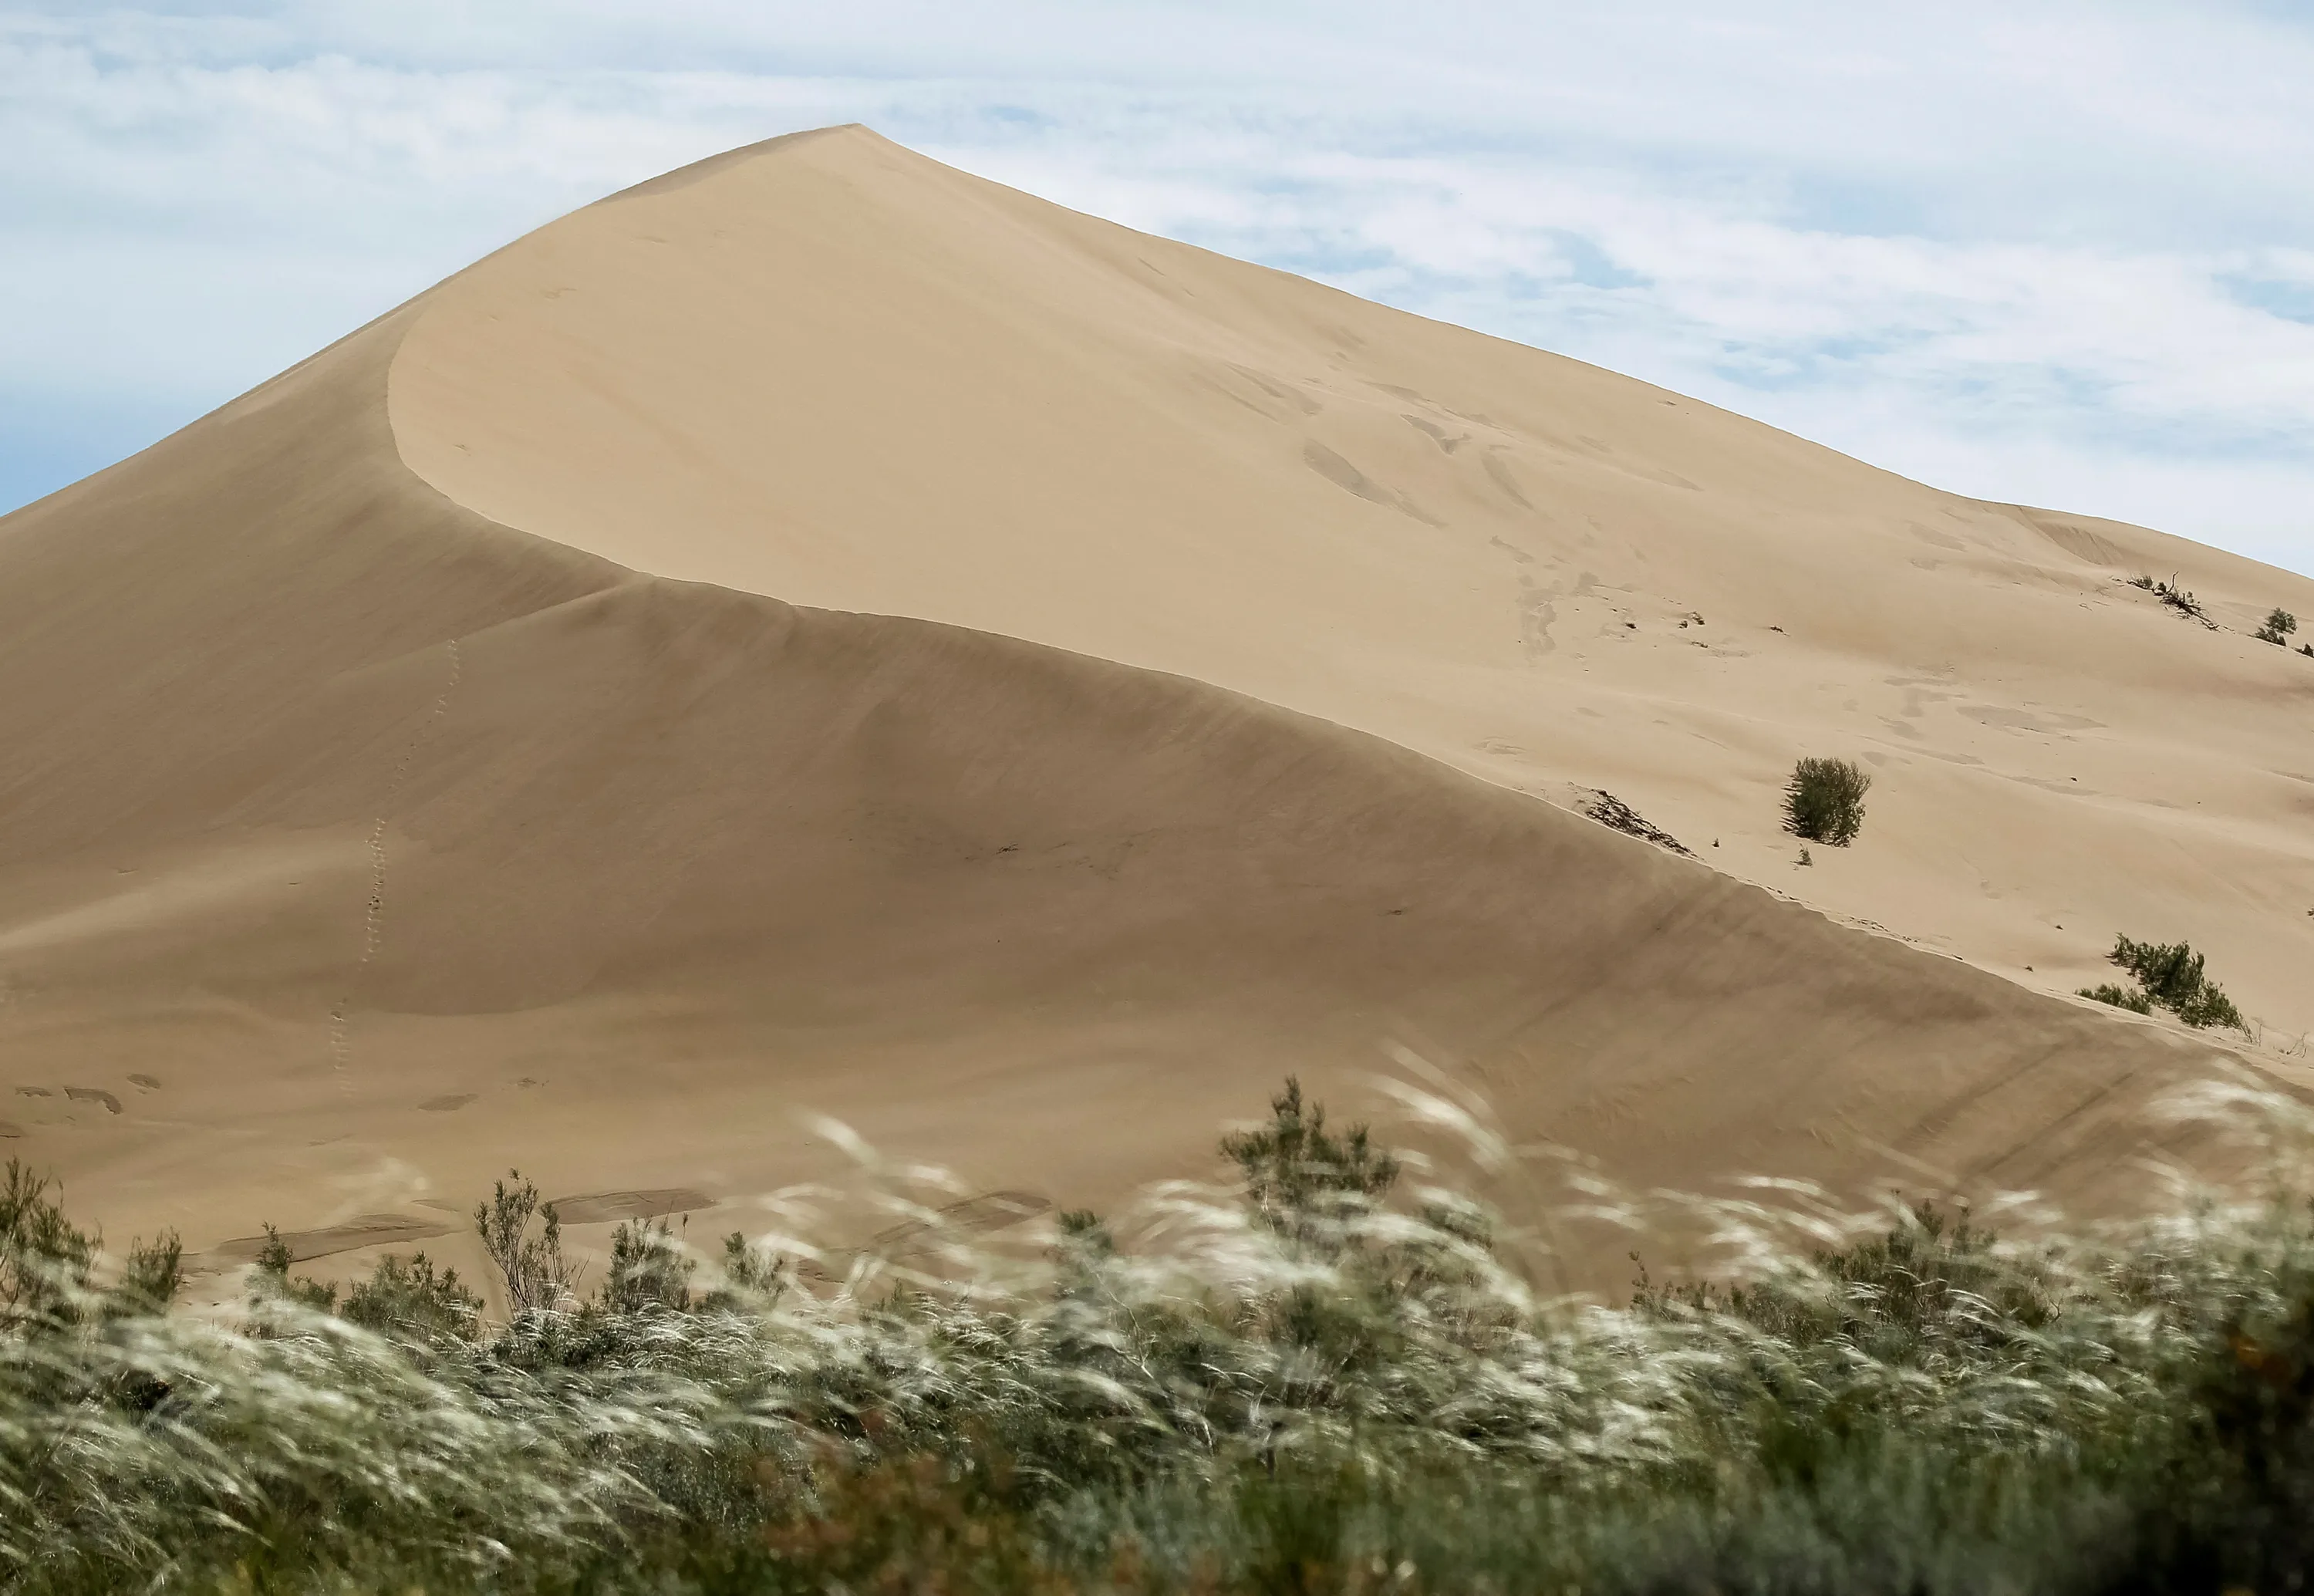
(374, 913)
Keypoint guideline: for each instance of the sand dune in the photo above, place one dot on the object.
(820, 631)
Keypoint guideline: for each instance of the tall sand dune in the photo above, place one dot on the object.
(821, 632)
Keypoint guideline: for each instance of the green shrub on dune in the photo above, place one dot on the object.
(2170, 975)
(1824, 802)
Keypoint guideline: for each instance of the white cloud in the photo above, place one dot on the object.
(2063, 252)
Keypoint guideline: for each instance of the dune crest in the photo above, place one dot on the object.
(822, 630)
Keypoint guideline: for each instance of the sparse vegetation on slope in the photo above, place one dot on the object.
(46, 1265)
(1614, 814)
(2176, 599)
(2170, 975)
(2277, 629)
(1312, 1381)
(1824, 802)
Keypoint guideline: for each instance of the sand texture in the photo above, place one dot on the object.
(820, 631)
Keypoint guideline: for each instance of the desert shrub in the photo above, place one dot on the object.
(1298, 1175)
(1901, 1296)
(1824, 802)
(2170, 975)
(2211, 1007)
(47, 1263)
(2132, 999)
(270, 1284)
(2175, 598)
(2277, 629)
(404, 1298)
(2171, 972)
(151, 1276)
(407, 1298)
(44, 1258)
(648, 1270)
(531, 1269)
(753, 1277)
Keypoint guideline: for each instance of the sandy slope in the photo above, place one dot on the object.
(429, 762)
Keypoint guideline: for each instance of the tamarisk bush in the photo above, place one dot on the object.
(1824, 802)
(2169, 975)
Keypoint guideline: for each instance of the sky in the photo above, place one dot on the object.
(2036, 251)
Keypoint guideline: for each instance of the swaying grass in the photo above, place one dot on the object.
(1313, 1380)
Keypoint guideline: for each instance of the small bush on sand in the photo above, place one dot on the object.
(531, 1269)
(1295, 1167)
(2277, 628)
(2121, 997)
(2175, 597)
(44, 1258)
(2170, 975)
(648, 1270)
(270, 1283)
(2182, 602)
(1824, 802)
(406, 1298)
(46, 1265)
(2210, 1007)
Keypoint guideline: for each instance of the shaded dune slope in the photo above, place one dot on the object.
(357, 845)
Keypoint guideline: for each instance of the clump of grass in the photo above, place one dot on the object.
(1823, 801)
(2169, 975)
(2277, 629)
(2176, 599)
(1317, 1377)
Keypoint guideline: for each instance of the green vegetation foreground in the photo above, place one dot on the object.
(1315, 1379)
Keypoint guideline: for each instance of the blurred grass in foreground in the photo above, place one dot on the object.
(1325, 1376)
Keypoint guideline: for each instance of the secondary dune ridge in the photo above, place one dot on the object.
(821, 631)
